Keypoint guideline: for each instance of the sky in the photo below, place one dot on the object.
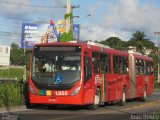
(99, 19)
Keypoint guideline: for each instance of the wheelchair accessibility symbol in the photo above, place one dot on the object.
(58, 79)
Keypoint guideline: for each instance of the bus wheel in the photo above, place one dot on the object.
(97, 98)
(122, 102)
(28, 104)
(143, 99)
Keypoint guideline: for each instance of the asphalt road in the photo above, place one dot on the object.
(132, 110)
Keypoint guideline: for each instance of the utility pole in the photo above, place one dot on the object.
(68, 19)
(24, 59)
(158, 38)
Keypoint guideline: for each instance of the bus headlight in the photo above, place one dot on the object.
(76, 91)
(32, 90)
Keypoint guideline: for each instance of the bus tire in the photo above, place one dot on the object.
(97, 100)
(27, 102)
(144, 97)
(122, 102)
(29, 105)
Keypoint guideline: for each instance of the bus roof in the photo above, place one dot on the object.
(98, 47)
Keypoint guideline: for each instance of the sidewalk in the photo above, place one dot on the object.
(13, 109)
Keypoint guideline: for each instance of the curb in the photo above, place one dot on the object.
(13, 109)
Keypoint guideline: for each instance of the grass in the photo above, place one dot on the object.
(11, 93)
(11, 73)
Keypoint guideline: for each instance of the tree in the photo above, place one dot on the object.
(16, 54)
(138, 36)
(115, 42)
(140, 42)
(137, 40)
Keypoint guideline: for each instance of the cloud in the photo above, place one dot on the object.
(122, 19)
(14, 13)
(25, 9)
(96, 32)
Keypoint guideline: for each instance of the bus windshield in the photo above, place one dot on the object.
(52, 69)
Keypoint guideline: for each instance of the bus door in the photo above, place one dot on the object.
(105, 69)
(88, 79)
(150, 76)
(97, 75)
(140, 77)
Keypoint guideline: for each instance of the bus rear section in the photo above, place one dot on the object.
(142, 76)
(56, 75)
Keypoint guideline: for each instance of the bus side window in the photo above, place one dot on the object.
(144, 68)
(125, 65)
(117, 64)
(96, 62)
(139, 67)
(149, 68)
(87, 69)
(105, 63)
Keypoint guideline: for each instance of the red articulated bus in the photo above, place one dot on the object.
(87, 74)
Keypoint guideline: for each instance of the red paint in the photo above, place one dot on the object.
(114, 86)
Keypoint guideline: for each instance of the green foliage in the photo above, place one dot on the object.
(115, 42)
(138, 36)
(66, 37)
(11, 94)
(11, 73)
(16, 55)
(139, 41)
(155, 65)
(69, 15)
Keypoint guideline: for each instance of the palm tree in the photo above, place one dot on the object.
(139, 38)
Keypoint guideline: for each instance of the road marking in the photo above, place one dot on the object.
(146, 105)
(156, 93)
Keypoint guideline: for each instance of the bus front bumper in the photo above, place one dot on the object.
(58, 100)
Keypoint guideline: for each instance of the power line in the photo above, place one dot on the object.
(85, 11)
(85, 14)
(10, 22)
(15, 35)
(27, 5)
(83, 18)
(12, 35)
(4, 16)
(3, 32)
(9, 26)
